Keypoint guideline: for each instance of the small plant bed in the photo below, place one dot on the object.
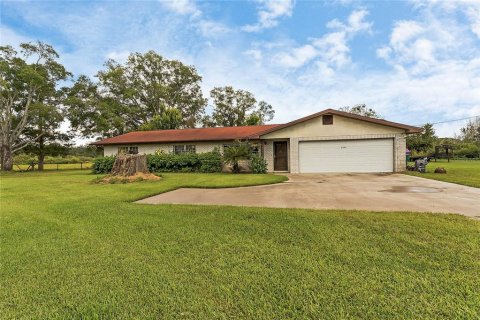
(138, 177)
(465, 172)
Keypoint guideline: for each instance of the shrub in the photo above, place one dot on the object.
(468, 151)
(210, 161)
(258, 164)
(166, 162)
(24, 158)
(103, 165)
(185, 162)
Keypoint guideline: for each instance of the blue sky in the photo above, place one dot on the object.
(412, 61)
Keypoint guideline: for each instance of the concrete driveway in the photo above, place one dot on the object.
(376, 192)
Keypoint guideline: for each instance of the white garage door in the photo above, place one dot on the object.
(373, 155)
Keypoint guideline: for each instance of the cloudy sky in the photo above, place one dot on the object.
(412, 61)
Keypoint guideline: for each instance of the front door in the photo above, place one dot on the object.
(280, 156)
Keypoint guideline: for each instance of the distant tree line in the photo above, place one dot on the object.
(147, 92)
(466, 145)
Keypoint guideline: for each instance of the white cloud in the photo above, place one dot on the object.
(269, 13)
(254, 53)
(473, 14)
(182, 7)
(118, 56)
(212, 29)
(332, 48)
(10, 37)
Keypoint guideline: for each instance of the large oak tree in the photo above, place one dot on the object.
(129, 96)
(28, 97)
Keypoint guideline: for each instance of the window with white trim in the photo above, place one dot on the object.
(181, 148)
(128, 150)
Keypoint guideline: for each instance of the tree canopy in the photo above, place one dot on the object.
(363, 110)
(423, 141)
(233, 107)
(131, 95)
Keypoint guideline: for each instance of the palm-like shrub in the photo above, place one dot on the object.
(236, 152)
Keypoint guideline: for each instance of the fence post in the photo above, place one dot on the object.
(81, 165)
(57, 166)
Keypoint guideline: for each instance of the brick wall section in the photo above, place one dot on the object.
(400, 145)
(293, 159)
(268, 154)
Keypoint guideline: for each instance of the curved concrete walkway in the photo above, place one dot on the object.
(375, 192)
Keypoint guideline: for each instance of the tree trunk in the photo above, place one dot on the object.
(7, 164)
(129, 165)
(41, 154)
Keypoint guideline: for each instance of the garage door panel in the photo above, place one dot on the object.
(373, 155)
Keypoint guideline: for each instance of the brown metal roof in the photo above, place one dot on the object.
(185, 135)
(233, 133)
(407, 128)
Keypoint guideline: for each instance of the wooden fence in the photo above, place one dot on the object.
(33, 166)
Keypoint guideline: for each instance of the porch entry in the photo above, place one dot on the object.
(280, 156)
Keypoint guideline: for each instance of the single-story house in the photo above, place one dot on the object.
(327, 141)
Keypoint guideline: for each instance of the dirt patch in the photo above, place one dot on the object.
(138, 177)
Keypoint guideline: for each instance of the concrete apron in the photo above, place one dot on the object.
(374, 192)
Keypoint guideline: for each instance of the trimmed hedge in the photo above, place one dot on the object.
(103, 165)
(185, 162)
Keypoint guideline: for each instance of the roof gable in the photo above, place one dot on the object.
(407, 128)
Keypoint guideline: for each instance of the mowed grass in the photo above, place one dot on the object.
(75, 250)
(466, 172)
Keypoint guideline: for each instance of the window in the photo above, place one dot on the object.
(327, 119)
(255, 149)
(177, 149)
(127, 150)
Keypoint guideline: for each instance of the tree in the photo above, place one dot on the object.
(237, 108)
(27, 80)
(130, 95)
(423, 141)
(170, 119)
(471, 131)
(44, 123)
(236, 152)
(363, 110)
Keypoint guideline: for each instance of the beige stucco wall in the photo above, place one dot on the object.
(341, 127)
(150, 148)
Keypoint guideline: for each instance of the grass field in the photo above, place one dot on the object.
(466, 172)
(75, 250)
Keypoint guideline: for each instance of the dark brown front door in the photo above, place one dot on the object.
(280, 156)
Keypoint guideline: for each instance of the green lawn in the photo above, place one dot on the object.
(72, 249)
(466, 172)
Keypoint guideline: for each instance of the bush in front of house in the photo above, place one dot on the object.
(210, 161)
(185, 162)
(103, 165)
(234, 153)
(258, 164)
